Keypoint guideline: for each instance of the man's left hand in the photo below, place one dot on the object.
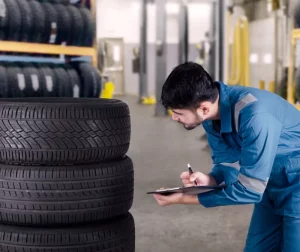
(176, 198)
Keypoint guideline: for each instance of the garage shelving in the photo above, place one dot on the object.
(21, 47)
(49, 49)
(295, 35)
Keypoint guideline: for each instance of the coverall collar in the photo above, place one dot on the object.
(225, 109)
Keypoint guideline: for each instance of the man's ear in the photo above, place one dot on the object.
(203, 109)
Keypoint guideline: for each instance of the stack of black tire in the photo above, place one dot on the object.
(53, 21)
(78, 79)
(66, 184)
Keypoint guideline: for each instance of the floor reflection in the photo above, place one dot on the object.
(110, 236)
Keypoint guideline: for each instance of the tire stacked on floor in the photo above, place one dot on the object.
(54, 22)
(49, 80)
(66, 183)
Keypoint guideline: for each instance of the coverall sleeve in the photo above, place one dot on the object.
(260, 137)
(221, 154)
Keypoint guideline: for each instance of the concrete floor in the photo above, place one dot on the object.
(160, 150)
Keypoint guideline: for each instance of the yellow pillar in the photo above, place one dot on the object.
(262, 85)
(272, 86)
(291, 85)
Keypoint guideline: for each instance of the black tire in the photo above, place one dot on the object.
(4, 16)
(14, 20)
(91, 83)
(26, 20)
(65, 2)
(297, 85)
(297, 14)
(77, 28)
(38, 19)
(16, 80)
(89, 27)
(74, 79)
(34, 83)
(283, 84)
(114, 236)
(49, 78)
(65, 88)
(50, 33)
(63, 195)
(63, 131)
(63, 24)
(3, 82)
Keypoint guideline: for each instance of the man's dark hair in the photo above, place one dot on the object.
(187, 86)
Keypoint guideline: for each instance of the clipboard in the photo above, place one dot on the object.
(190, 190)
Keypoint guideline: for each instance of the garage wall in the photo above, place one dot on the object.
(262, 49)
(121, 19)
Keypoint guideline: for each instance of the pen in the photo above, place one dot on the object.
(191, 172)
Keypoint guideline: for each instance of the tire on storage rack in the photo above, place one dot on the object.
(34, 83)
(3, 82)
(14, 20)
(49, 78)
(91, 83)
(65, 87)
(3, 20)
(63, 24)
(38, 19)
(297, 14)
(65, 2)
(89, 27)
(77, 26)
(16, 80)
(63, 131)
(50, 33)
(297, 84)
(63, 195)
(74, 79)
(114, 236)
(26, 20)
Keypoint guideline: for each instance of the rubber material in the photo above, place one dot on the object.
(114, 236)
(297, 84)
(63, 24)
(26, 20)
(74, 79)
(47, 75)
(50, 33)
(89, 27)
(34, 83)
(3, 82)
(14, 20)
(77, 26)
(297, 14)
(16, 80)
(65, 2)
(90, 79)
(3, 19)
(62, 195)
(38, 19)
(63, 131)
(283, 84)
(64, 85)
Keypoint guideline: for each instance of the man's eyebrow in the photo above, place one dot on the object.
(176, 112)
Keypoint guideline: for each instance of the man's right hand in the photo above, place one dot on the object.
(201, 179)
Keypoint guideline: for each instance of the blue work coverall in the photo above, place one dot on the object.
(256, 153)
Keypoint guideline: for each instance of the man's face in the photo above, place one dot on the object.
(189, 118)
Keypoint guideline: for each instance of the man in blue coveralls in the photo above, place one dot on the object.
(254, 137)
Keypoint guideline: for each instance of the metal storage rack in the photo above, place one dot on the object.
(38, 48)
(291, 79)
